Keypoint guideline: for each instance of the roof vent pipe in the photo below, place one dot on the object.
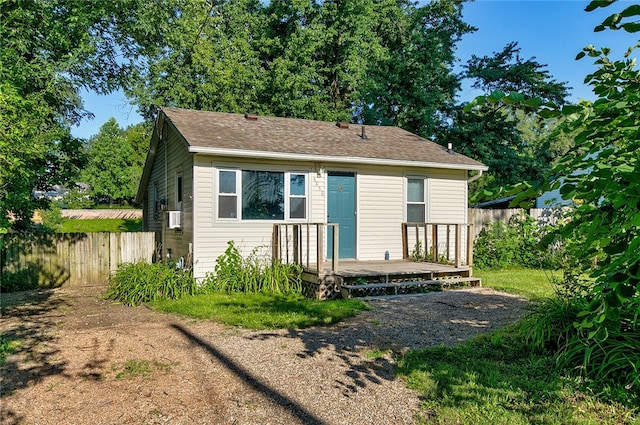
(251, 117)
(450, 147)
(363, 135)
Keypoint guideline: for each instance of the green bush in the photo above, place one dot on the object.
(551, 328)
(136, 283)
(256, 273)
(21, 280)
(515, 244)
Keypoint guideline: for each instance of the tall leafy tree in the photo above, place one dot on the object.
(411, 81)
(498, 132)
(49, 49)
(115, 160)
(374, 61)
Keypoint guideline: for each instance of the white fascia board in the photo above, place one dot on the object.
(339, 159)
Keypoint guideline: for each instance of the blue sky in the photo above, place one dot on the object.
(553, 32)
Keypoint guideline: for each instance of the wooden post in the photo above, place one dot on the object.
(470, 234)
(286, 241)
(448, 242)
(336, 248)
(275, 243)
(296, 244)
(426, 239)
(434, 242)
(320, 247)
(458, 246)
(308, 244)
(405, 242)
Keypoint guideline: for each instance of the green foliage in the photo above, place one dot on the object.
(78, 198)
(262, 310)
(600, 175)
(551, 327)
(115, 161)
(22, 280)
(255, 273)
(136, 283)
(50, 49)
(8, 346)
(516, 243)
(503, 131)
(497, 378)
(301, 59)
(52, 217)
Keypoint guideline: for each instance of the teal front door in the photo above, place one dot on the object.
(341, 209)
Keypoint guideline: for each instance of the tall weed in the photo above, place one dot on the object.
(255, 273)
(136, 283)
(552, 327)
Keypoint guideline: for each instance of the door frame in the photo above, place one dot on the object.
(356, 196)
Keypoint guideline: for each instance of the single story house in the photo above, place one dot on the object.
(210, 178)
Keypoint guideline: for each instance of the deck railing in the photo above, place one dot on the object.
(294, 243)
(438, 242)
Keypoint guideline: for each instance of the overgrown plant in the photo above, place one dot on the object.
(136, 283)
(255, 273)
(516, 243)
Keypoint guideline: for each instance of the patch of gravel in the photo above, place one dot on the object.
(77, 345)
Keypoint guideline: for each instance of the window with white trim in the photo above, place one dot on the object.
(227, 194)
(416, 200)
(261, 195)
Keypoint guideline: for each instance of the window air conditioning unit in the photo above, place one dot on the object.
(175, 221)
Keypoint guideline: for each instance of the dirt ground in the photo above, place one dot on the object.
(86, 360)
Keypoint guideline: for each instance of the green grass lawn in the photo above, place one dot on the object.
(497, 379)
(529, 283)
(262, 311)
(101, 225)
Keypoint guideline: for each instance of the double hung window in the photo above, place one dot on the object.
(416, 200)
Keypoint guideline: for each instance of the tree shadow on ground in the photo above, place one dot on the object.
(29, 320)
(397, 326)
(293, 407)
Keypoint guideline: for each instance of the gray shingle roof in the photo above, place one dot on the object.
(211, 132)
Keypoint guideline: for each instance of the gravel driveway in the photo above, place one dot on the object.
(80, 356)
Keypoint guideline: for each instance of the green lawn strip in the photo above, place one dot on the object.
(101, 225)
(530, 283)
(497, 379)
(262, 311)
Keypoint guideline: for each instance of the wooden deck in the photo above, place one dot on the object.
(378, 278)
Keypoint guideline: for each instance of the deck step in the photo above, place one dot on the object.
(398, 288)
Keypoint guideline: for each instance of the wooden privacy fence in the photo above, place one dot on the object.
(70, 259)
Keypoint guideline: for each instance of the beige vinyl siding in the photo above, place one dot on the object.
(447, 196)
(380, 205)
(380, 213)
(213, 234)
(448, 204)
(171, 158)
